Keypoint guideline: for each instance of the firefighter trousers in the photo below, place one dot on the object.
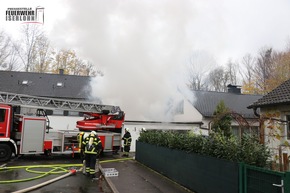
(91, 160)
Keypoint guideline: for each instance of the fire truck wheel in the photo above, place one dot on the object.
(5, 152)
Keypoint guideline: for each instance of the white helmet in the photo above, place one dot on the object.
(85, 135)
(126, 129)
(94, 133)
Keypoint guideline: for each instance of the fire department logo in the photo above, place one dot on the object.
(26, 15)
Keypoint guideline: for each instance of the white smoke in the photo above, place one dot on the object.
(142, 46)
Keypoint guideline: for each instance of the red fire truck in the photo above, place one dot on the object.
(22, 134)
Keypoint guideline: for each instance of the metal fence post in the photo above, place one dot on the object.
(245, 190)
(241, 177)
(287, 182)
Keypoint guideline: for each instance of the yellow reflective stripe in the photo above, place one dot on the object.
(90, 152)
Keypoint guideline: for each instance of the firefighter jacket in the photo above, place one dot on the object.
(80, 138)
(127, 139)
(92, 144)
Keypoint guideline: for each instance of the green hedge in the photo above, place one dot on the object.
(247, 150)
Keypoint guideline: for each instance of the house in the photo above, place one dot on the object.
(52, 86)
(204, 104)
(274, 110)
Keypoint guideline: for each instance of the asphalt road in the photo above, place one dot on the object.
(77, 183)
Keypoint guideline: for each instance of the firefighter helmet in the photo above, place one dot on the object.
(94, 133)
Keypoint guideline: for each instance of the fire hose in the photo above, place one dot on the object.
(56, 169)
(45, 183)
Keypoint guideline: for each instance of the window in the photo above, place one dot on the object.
(65, 113)
(60, 84)
(25, 82)
(2, 115)
(73, 113)
(180, 108)
(254, 130)
(57, 112)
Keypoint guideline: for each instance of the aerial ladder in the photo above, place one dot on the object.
(31, 134)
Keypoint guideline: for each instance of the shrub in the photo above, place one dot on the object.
(247, 150)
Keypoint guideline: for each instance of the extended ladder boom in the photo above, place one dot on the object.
(54, 103)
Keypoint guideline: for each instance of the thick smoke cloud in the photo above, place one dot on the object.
(143, 46)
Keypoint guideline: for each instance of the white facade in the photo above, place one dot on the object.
(275, 131)
(64, 122)
(190, 114)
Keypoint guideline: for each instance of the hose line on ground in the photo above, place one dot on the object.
(54, 169)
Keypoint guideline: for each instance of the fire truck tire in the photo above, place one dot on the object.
(5, 152)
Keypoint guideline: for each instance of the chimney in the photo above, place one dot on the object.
(61, 71)
(234, 89)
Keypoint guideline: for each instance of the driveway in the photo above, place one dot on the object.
(77, 183)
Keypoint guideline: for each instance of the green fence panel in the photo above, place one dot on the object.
(198, 173)
(203, 174)
(260, 180)
(287, 182)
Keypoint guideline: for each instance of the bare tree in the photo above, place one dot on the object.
(248, 62)
(90, 70)
(64, 59)
(4, 48)
(8, 55)
(27, 48)
(217, 79)
(199, 65)
(68, 60)
(266, 72)
(281, 69)
(248, 76)
(11, 62)
(231, 72)
(77, 67)
(43, 55)
(8, 59)
(263, 68)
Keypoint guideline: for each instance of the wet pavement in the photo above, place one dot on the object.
(134, 177)
(77, 183)
(131, 176)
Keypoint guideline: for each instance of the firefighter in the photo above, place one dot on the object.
(93, 147)
(81, 138)
(127, 142)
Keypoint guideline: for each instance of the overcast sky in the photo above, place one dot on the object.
(143, 46)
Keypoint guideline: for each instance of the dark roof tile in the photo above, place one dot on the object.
(280, 95)
(45, 85)
(206, 102)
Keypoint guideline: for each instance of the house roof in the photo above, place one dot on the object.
(280, 95)
(206, 102)
(45, 85)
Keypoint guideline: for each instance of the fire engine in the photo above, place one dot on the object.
(22, 134)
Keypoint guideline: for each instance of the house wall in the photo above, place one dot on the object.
(190, 114)
(276, 131)
(64, 122)
(251, 122)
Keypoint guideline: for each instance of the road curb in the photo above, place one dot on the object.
(108, 180)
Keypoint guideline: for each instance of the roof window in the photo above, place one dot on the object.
(24, 82)
(59, 84)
